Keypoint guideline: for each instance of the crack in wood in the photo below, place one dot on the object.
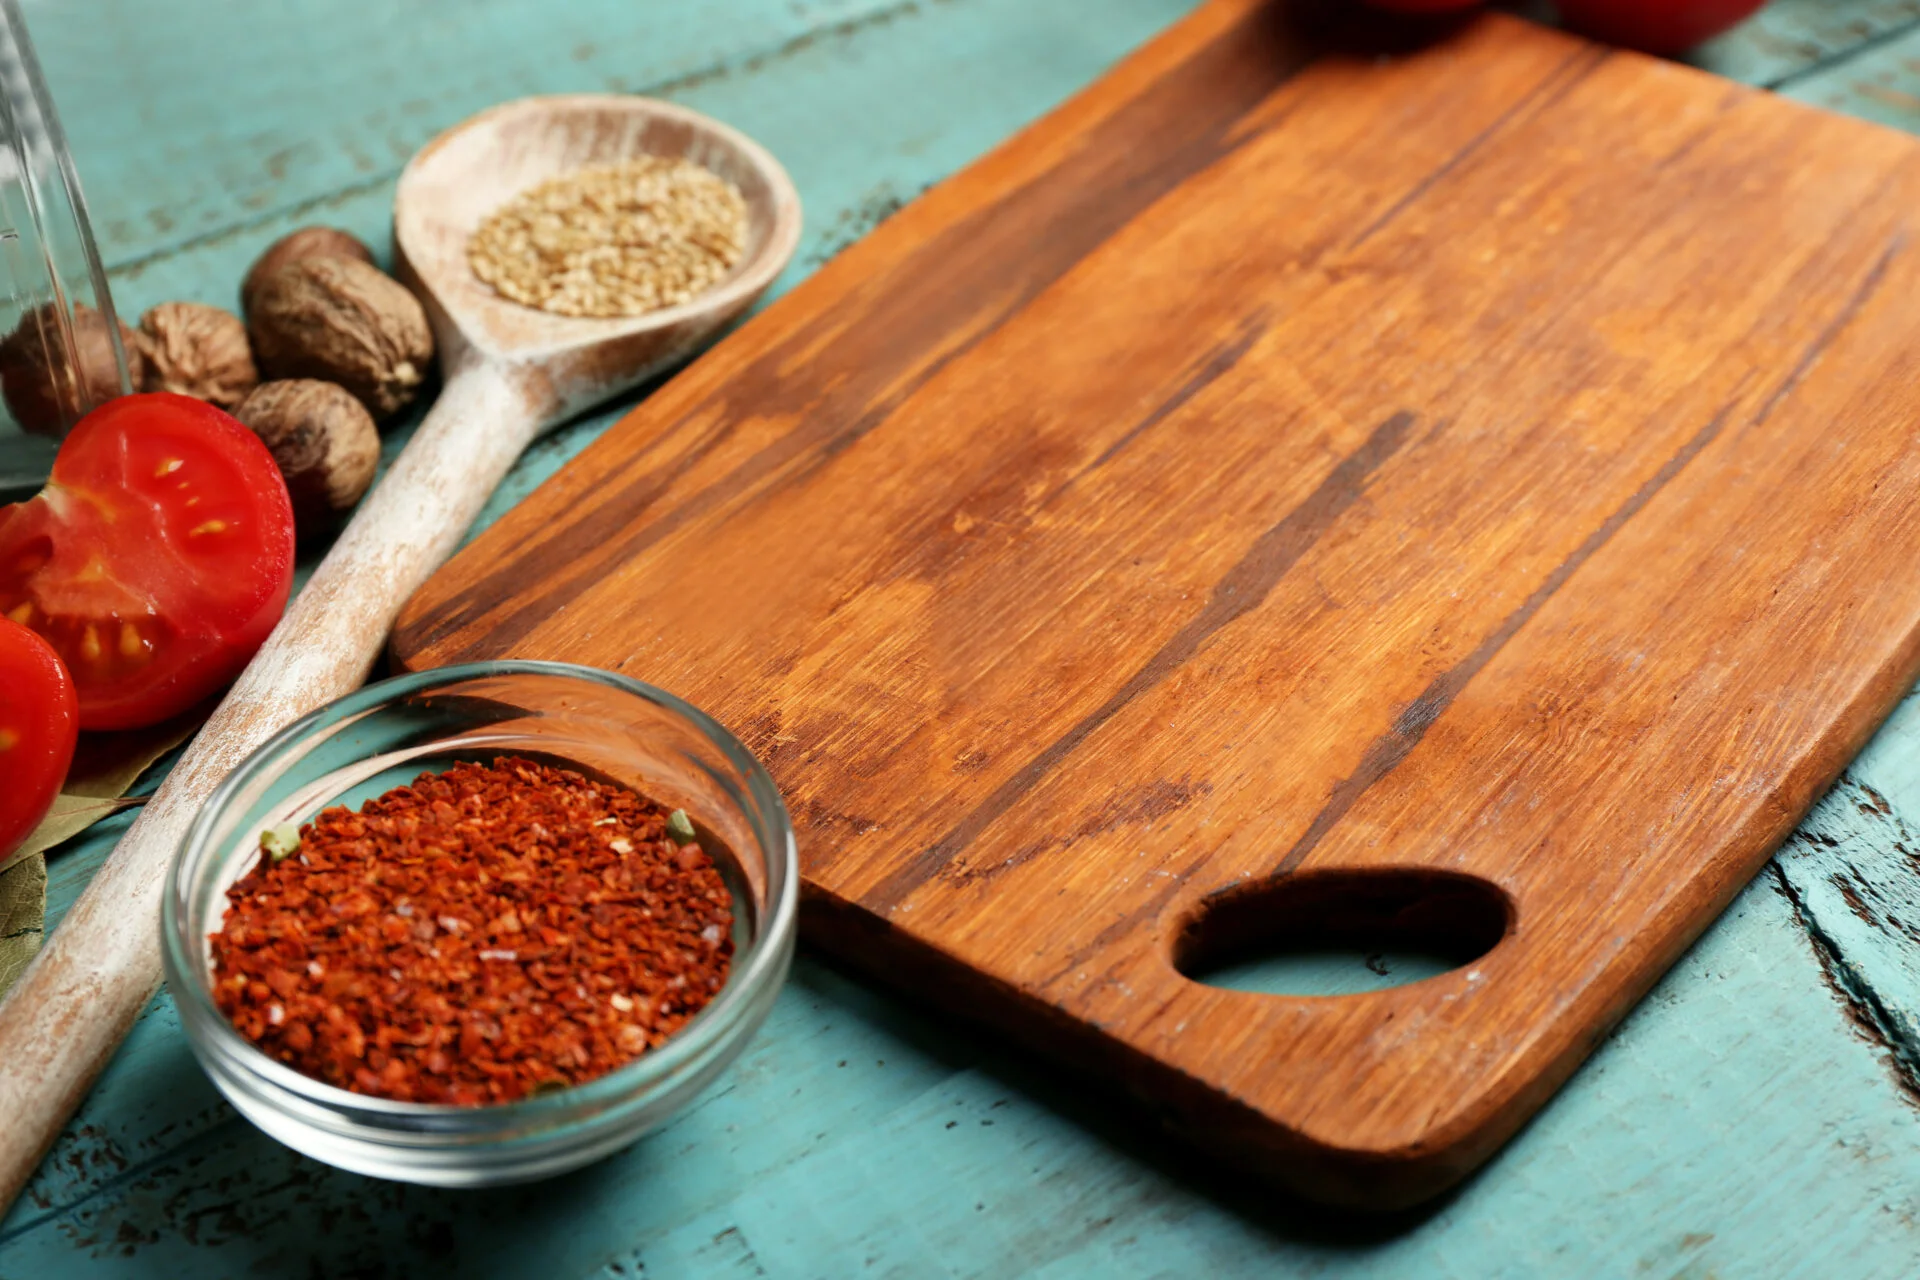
(1855, 887)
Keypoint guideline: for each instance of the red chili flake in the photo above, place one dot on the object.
(482, 934)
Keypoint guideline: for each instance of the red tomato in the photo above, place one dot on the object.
(155, 561)
(39, 722)
(1655, 26)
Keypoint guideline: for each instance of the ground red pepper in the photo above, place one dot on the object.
(484, 933)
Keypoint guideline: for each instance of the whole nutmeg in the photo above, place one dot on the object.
(323, 440)
(195, 350)
(48, 397)
(307, 242)
(342, 321)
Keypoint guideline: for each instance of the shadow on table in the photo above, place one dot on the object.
(1126, 1130)
(857, 1135)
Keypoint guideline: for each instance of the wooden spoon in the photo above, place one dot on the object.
(510, 372)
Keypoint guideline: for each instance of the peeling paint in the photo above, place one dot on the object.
(1855, 885)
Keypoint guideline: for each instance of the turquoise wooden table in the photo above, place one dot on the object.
(1756, 1116)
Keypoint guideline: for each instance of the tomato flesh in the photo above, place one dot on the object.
(1656, 26)
(39, 723)
(155, 561)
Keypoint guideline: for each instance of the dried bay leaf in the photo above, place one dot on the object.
(23, 916)
(105, 766)
(69, 816)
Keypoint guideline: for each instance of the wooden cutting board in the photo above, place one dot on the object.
(1290, 496)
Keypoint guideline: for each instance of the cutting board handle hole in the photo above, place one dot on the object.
(1334, 933)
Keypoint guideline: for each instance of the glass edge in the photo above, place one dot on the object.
(713, 1023)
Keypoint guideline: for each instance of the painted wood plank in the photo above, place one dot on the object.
(1853, 872)
(1880, 82)
(271, 112)
(267, 111)
(227, 113)
(1793, 37)
(1648, 1157)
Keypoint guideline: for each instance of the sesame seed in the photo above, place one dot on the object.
(613, 240)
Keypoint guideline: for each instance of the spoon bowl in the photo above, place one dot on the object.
(472, 169)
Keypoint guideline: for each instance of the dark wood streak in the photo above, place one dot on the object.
(1411, 725)
(655, 483)
(1122, 926)
(1211, 366)
(1555, 85)
(934, 305)
(1735, 97)
(1384, 753)
(1868, 286)
(1242, 589)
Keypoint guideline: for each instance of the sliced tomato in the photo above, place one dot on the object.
(39, 722)
(155, 561)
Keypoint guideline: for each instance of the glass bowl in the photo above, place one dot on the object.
(352, 750)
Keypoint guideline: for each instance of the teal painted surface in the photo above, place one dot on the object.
(1328, 972)
(1793, 38)
(1741, 1123)
(1853, 872)
(1884, 87)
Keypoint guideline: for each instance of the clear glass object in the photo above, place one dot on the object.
(50, 272)
(385, 735)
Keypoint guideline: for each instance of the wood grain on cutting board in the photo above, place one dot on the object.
(1281, 488)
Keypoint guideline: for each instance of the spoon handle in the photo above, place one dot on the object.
(63, 1020)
